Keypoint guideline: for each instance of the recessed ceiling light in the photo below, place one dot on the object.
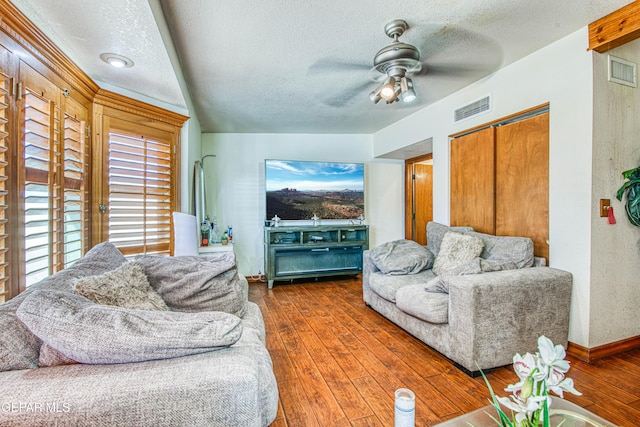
(116, 60)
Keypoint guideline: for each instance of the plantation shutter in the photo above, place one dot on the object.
(41, 191)
(76, 185)
(53, 179)
(4, 190)
(140, 192)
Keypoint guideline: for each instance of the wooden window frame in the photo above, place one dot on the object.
(129, 114)
(22, 42)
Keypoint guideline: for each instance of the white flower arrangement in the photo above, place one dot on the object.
(539, 374)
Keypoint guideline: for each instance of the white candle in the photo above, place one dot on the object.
(405, 414)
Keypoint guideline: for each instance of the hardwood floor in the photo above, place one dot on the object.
(338, 363)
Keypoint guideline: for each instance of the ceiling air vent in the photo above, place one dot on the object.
(472, 109)
(622, 72)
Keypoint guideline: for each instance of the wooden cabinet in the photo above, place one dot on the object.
(500, 179)
(299, 252)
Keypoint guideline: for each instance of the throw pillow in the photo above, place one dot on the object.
(126, 286)
(505, 252)
(401, 257)
(101, 334)
(19, 348)
(456, 250)
(436, 232)
(193, 283)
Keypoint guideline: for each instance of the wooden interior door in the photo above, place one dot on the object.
(423, 200)
(418, 197)
(472, 172)
(522, 181)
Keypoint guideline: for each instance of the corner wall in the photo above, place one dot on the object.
(235, 188)
(561, 75)
(615, 249)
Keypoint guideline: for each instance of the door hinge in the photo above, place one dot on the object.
(413, 176)
(19, 92)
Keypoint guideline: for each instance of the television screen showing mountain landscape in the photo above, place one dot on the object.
(299, 189)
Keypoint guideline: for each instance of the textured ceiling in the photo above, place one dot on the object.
(292, 66)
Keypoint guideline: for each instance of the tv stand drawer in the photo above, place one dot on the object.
(317, 260)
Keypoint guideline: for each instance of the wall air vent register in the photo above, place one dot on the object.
(480, 106)
(622, 71)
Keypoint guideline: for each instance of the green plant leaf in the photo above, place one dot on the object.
(632, 188)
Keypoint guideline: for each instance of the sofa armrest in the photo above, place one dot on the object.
(368, 268)
(504, 312)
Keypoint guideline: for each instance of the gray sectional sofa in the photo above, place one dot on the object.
(478, 311)
(199, 361)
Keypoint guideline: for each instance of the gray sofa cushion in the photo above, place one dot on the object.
(193, 283)
(435, 233)
(19, 348)
(401, 257)
(430, 307)
(441, 283)
(234, 387)
(504, 252)
(101, 334)
(49, 356)
(126, 286)
(387, 285)
(456, 250)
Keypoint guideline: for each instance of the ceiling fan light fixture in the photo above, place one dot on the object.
(375, 96)
(388, 89)
(407, 94)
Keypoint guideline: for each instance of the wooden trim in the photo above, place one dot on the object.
(615, 29)
(34, 41)
(122, 103)
(591, 354)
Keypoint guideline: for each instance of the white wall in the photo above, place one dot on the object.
(561, 75)
(235, 188)
(615, 269)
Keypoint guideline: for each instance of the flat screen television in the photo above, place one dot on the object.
(296, 190)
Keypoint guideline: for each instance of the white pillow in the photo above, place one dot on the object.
(455, 250)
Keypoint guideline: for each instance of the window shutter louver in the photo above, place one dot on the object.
(4, 190)
(40, 188)
(53, 179)
(75, 195)
(140, 194)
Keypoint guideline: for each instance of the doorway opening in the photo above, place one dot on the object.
(418, 197)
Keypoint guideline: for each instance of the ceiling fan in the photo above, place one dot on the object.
(456, 57)
(394, 63)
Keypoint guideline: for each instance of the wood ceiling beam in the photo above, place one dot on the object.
(615, 29)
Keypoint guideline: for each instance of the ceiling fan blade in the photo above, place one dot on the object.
(333, 65)
(458, 52)
(347, 96)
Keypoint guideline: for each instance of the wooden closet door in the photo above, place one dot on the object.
(522, 181)
(472, 172)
